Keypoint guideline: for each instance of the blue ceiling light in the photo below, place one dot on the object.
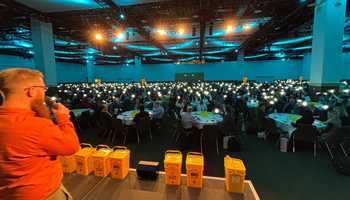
(141, 47)
(214, 57)
(223, 43)
(122, 16)
(183, 52)
(151, 54)
(88, 57)
(219, 51)
(129, 61)
(31, 52)
(8, 47)
(181, 45)
(272, 48)
(280, 55)
(187, 59)
(291, 41)
(23, 43)
(66, 43)
(68, 52)
(90, 50)
(301, 48)
(109, 56)
(66, 58)
(256, 56)
(162, 59)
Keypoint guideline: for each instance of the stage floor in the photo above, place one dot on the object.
(92, 187)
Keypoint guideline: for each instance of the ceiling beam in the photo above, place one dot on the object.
(136, 22)
(296, 18)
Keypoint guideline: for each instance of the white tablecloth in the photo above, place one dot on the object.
(77, 112)
(202, 119)
(252, 104)
(128, 116)
(284, 121)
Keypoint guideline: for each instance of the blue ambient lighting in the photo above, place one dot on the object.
(129, 61)
(280, 55)
(256, 56)
(91, 50)
(66, 43)
(301, 48)
(181, 45)
(188, 59)
(272, 48)
(68, 52)
(223, 43)
(183, 52)
(291, 41)
(162, 59)
(23, 43)
(219, 51)
(110, 56)
(140, 47)
(151, 54)
(214, 57)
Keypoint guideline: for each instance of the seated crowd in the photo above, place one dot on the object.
(248, 102)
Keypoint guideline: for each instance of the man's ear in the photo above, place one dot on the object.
(30, 92)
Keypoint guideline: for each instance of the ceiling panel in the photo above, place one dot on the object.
(134, 2)
(59, 5)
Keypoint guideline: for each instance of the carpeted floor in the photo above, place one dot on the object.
(275, 175)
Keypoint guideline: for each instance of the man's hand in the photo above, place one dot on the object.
(60, 109)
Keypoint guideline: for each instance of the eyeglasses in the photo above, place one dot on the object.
(39, 86)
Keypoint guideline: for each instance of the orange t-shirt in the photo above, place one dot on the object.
(29, 146)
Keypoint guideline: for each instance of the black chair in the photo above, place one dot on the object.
(229, 127)
(143, 126)
(84, 120)
(337, 139)
(307, 134)
(118, 129)
(209, 131)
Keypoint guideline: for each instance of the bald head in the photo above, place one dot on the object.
(14, 79)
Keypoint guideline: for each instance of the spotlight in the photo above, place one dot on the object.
(161, 32)
(122, 16)
(246, 27)
(181, 31)
(216, 110)
(98, 36)
(229, 28)
(120, 35)
(114, 47)
(325, 107)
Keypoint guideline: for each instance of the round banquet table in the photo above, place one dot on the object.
(206, 118)
(284, 121)
(253, 104)
(128, 116)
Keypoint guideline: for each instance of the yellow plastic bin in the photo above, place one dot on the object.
(101, 160)
(119, 162)
(68, 163)
(172, 167)
(235, 172)
(194, 169)
(83, 159)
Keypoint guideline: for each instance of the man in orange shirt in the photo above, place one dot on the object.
(29, 140)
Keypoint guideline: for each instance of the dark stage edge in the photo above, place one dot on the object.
(95, 188)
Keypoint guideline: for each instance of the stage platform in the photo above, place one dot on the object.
(96, 188)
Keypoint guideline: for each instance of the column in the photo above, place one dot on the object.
(44, 50)
(90, 71)
(328, 30)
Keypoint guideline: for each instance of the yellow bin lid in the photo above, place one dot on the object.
(119, 152)
(85, 150)
(102, 151)
(194, 158)
(173, 156)
(234, 164)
